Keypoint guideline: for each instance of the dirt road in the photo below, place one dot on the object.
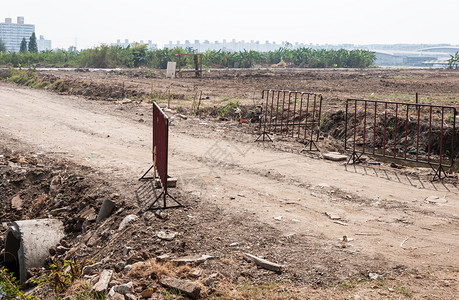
(387, 218)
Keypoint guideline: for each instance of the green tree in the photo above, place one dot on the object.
(2, 46)
(33, 43)
(23, 48)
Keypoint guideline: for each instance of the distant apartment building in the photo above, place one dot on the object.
(126, 43)
(12, 33)
(232, 45)
(43, 44)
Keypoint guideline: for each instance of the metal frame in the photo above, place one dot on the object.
(197, 64)
(158, 168)
(403, 120)
(292, 104)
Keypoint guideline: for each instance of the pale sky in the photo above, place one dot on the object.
(90, 23)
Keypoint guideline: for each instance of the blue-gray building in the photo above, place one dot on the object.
(12, 33)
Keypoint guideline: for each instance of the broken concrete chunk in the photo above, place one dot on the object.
(104, 280)
(117, 296)
(335, 156)
(184, 286)
(16, 202)
(436, 200)
(167, 236)
(332, 216)
(122, 289)
(130, 297)
(211, 280)
(126, 250)
(193, 259)
(263, 262)
(162, 258)
(128, 219)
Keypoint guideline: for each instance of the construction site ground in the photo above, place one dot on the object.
(328, 224)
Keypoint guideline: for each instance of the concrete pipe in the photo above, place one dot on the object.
(28, 242)
(106, 209)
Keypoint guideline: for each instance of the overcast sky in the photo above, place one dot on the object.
(89, 23)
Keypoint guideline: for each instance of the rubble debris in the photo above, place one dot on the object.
(332, 216)
(334, 156)
(374, 276)
(166, 236)
(16, 202)
(263, 262)
(104, 280)
(184, 286)
(193, 259)
(128, 219)
(122, 289)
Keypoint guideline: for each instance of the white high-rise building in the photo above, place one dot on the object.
(43, 44)
(12, 33)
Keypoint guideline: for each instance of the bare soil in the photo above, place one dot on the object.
(64, 154)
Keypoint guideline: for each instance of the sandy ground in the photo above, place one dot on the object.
(386, 217)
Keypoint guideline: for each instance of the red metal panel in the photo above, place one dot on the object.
(160, 142)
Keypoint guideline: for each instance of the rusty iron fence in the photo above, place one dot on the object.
(292, 114)
(159, 166)
(413, 132)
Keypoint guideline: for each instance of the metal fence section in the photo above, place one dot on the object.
(293, 114)
(160, 158)
(197, 62)
(420, 133)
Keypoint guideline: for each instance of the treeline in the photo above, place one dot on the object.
(139, 56)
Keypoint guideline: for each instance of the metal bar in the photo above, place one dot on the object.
(345, 125)
(400, 103)
(374, 129)
(288, 111)
(385, 128)
(319, 117)
(299, 120)
(418, 132)
(282, 115)
(430, 134)
(294, 112)
(355, 123)
(313, 116)
(453, 137)
(441, 135)
(395, 129)
(271, 112)
(277, 109)
(306, 122)
(406, 127)
(265, 117)
(364, 125)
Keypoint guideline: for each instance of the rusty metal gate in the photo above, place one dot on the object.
(413, 132)
(293, 114)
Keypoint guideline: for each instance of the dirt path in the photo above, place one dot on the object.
(389, 219)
